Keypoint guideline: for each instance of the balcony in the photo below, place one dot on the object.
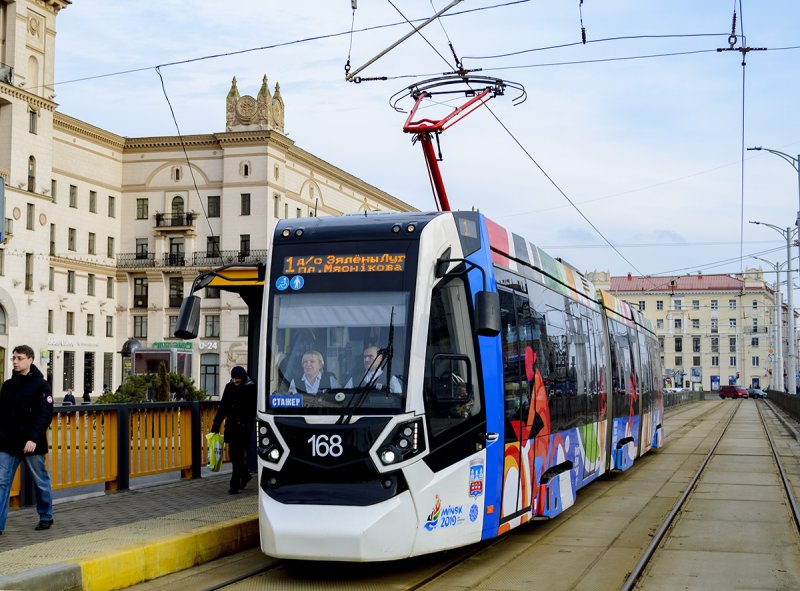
(175, 221)
(148, 260)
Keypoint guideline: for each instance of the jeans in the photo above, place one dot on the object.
(41, 479)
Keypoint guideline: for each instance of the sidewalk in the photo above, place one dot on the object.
(117, 540)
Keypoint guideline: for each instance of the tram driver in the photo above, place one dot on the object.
(373, 375)
(314, 378)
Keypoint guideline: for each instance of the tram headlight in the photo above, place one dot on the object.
(267, 444)
(406, 441)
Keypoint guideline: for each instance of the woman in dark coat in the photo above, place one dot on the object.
(238, 410)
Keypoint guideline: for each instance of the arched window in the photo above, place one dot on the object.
(3, 324)
(177, 205)
(246, 170)
(31, 173)
(176, 173)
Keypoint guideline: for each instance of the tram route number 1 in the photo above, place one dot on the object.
(323, 446)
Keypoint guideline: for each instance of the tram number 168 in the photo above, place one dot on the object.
(323, 446)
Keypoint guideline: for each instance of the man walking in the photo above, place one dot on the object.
(238, 410)
(26, 409)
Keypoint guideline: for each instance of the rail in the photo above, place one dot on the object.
(111, 443)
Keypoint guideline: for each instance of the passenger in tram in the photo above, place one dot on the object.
(373, 374)
(314, 378)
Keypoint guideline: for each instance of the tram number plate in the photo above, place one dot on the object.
(323, 445)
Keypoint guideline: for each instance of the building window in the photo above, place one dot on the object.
(276, 202)
(92, 243)
(276, 172)
(108, 370)
(731, 322)
(53, 187)
(172, 323)
(141, 208)
(732, 344)
(244, 320)
(110, 247)
(695, 304)
(68, 382)
(212, 326)
(28, 271)
(50, 315)
(109, 326)
(209, 373)
(52, 240)
(212, 246)
(140, 290)
(90, 284)
(71, 234)
(732, 361)
(755, 324)
(30, 215)
(660, 323)
(678, 304)
(678, 344)
(754, 342)
(51, 279)
(141, 248)
(112, 206)
(33, 120)
(695, 323)
(286, 211)
(140, 327)
(70, 328)
(714, 305)
(244, 245)
(678, 361)
(177, 205)
(696, 361)
(212, 293)
(755, 304)
(659, 304)
(93, 201)
(641, 305)
(695, 344)
(715, 344)
(90, 325)
(661, 343)
(73, 196)
(245, 203)
(70, 281)
(678, 323)
(175, 292)
(213, 206)
(31, 174)
(715, 361)
(110, 287)
(245, 169)
(732, 304)
(755, 360)
(176, 173)
(714, 325)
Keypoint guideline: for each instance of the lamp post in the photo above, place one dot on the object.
(777, 358)
(794, 163)
(791, 359)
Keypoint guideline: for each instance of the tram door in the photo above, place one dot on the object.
(517, 333)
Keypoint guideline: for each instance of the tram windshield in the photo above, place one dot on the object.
(333, 353)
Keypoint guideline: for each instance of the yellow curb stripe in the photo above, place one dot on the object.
(128, 566)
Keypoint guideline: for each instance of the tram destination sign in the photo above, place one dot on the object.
(384, 262)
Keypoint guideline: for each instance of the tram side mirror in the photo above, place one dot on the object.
(188, 324)
(487, 313)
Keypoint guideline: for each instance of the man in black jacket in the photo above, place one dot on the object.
(238, 410)
(26, 409)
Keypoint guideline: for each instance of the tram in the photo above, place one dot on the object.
(430, 380)
(510, 382)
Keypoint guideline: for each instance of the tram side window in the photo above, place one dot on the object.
(513, 394)
(620, 369)
(450, 387)
(557, 396)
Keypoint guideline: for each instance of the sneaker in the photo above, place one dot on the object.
(43, 525)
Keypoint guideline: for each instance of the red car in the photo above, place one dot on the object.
(733, 392)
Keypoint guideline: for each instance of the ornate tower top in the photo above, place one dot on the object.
(244, 113)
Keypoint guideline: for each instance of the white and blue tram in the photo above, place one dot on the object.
(509, 382)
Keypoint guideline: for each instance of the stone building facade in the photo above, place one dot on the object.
(104, 233)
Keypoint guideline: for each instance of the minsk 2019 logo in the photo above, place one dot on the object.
(433, 518)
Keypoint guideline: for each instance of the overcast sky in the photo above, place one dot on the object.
(649, 150)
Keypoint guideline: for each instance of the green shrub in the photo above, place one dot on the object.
(145, 388)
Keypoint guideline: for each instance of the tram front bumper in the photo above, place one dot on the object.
(384, 531)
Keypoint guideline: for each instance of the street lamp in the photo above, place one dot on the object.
(794, 163)
(777, 358)
(791, 359)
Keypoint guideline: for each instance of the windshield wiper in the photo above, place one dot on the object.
(360, 395)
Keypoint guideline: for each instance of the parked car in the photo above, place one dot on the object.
(756, 393)
(733, 392)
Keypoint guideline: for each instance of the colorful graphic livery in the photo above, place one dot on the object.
(430, 380)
